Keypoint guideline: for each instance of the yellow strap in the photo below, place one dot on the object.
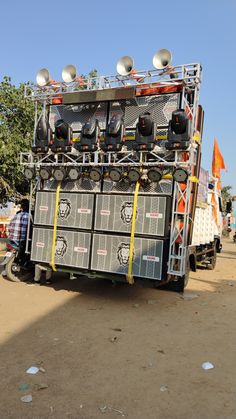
(55, 228)
(194, 179)
(196, 138)
(129, 276)
(161, 137)
(167, 176)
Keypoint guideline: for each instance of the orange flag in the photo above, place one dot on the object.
(217, 162)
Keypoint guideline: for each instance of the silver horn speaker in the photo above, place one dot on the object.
(69, 73)
(125, 65)
(162, 59)
(43, 77)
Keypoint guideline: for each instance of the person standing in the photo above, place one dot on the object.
(17, 231)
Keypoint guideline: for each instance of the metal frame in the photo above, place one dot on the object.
(180, 221)
(187, 74)
(123, 159)
(33, 188)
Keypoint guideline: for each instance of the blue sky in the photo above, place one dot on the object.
(94, 34)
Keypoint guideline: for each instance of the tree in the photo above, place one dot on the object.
(16, 133)
(84, 80)
(226, 196)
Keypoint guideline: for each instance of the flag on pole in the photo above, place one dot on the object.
(217, 162)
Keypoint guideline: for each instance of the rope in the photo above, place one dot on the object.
(55, 228)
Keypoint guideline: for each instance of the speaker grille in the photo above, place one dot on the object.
(111, 254)
(114, 213)
(72, 248)
(75, 210)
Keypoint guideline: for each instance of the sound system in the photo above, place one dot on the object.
(75, 209)
(113, 213)
(110, 253)
(72, 248)
(94, 232)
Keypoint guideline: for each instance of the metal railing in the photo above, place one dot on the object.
(187, 74)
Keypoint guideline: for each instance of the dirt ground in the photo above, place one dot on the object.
(120, 351)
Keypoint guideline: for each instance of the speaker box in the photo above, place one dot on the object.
(114, 213)
(72, 248)
(111, 254)
(75, 210)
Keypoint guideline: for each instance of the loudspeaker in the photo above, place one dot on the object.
(125, 65)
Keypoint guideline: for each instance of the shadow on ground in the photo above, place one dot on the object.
(133, 349)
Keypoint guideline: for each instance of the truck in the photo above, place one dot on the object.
(117, 189)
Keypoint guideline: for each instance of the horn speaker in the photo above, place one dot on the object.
(69, 73)
(43, 77)
(125, 65)
(162, 59)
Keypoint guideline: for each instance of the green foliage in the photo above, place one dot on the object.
(92, 74)
(226, 195)
(16, 133)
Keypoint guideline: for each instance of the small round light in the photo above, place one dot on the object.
(45, 173)
(115, 174)
(95, 174)
(180, 175)
(73, 173)
(29, 173)
(133, 175)
(154, 174)
(59, 173)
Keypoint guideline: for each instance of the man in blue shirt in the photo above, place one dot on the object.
(17, 231)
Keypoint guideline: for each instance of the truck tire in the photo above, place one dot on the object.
(9, 268)
(181, 282)
(178, 284)
(218, 246)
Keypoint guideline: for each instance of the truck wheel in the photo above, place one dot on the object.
(11, 272)
(179, 283)
(218, 246)
(176, 285)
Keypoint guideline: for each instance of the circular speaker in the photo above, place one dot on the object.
(45, 173)
(115, 174)
(59, 173)
(73, 173)
(180, 175)
(133, 175)
(95, 174)
(29, 173)
(154, 174)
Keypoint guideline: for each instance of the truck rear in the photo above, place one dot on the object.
(114, 170)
